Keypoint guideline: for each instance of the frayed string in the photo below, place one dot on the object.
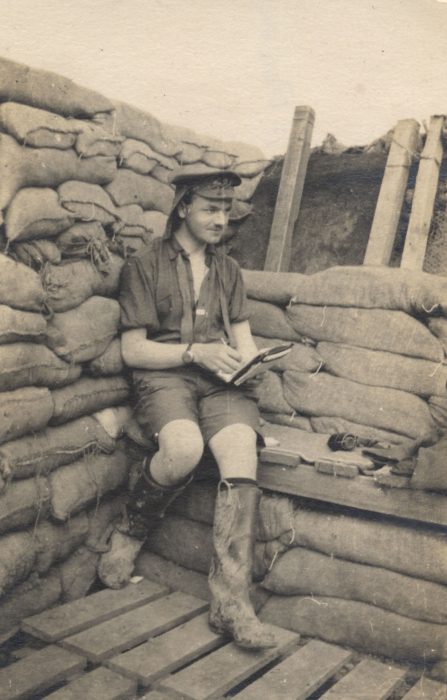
(324, 316)
(312, 374)
(430, 311)
(275, 557)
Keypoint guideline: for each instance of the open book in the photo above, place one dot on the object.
(257, 363)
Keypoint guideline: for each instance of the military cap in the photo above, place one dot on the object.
(208, 182)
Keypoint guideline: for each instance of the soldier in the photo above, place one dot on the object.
(184, 320)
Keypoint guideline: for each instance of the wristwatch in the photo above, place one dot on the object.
(188, 355)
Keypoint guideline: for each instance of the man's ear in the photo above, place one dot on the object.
(181, 211)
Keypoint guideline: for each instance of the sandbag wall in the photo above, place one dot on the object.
(83, 184)
(368, 355)
(371, 584)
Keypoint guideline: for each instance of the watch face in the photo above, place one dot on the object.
(187, 357)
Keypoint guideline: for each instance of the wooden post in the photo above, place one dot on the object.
(424, 198)
(392, 193)
(290, 191)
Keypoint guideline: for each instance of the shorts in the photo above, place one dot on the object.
(189, 393)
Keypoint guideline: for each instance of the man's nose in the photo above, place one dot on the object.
(221, 218)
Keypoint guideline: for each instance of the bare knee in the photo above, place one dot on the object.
(234, 449)
(181, 448)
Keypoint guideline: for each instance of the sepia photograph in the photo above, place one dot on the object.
(223, 350)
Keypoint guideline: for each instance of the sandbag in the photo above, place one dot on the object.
(138, 156)
(333, 424)
(114, 420)
(438, 326)
(240, 210)
(385, 369)
(363, 286)
(17, 559)
(35, 212)
(134, 123)
(29, 364)
(248, 186)
(189, 543)
(86, 396)
(49, 449)
(31, 597)
(291, 420)
(130, 188)
(155, 221)
(431, 469)
(438, 410)
(20, 287)
(54, 542)
(251, 168)
(47, 167)
(270, 394)
(109, 362)
(95, 141)
(86, 201)
(270, 321)
(76, 485)
(376, 329)
(218, 159)
(390, 409)
(83, 333)
(303, 572)
(130, 220)
(24, 503)
(163, 173)
(24, 411)
(37, 127)
(16, 326)
(48, 90)
(78, 573)
(364, 627)
(420, 552)
(302, 356)
(167, 573)
(85, 240)
(70, 284)
(37, 253)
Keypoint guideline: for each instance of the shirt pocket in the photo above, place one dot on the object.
(164, 305)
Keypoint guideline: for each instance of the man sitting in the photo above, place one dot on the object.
(185, 320)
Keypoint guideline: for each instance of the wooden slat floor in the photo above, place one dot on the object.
(149, 643)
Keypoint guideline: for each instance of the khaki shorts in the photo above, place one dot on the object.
(188, 393)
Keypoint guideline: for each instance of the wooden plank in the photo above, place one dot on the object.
(362, 494)
(424, 198)
(392, 193)
(132, 628)
(37, 672)
(370, 680)
(300, 674)
(101, 684)
(168, 652)
(59, 622)
(425, 689)
(222, 670)
(290, 191)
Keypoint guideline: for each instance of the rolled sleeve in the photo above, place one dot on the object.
(137, 298)
(238, 306)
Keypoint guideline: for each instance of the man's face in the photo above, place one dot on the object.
(206, 219)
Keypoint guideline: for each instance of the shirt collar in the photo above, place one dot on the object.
(174, 249)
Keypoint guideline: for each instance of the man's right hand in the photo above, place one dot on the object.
(217, 357)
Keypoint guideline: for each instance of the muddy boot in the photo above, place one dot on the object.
(231, 611)
(146, 505)
(116, 566)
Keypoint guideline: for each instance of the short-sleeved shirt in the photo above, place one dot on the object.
(151, 296)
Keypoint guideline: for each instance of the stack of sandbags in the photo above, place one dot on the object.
(371, 359)
(375, 585)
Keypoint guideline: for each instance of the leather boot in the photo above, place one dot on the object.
(147, 502)
(231, 611)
